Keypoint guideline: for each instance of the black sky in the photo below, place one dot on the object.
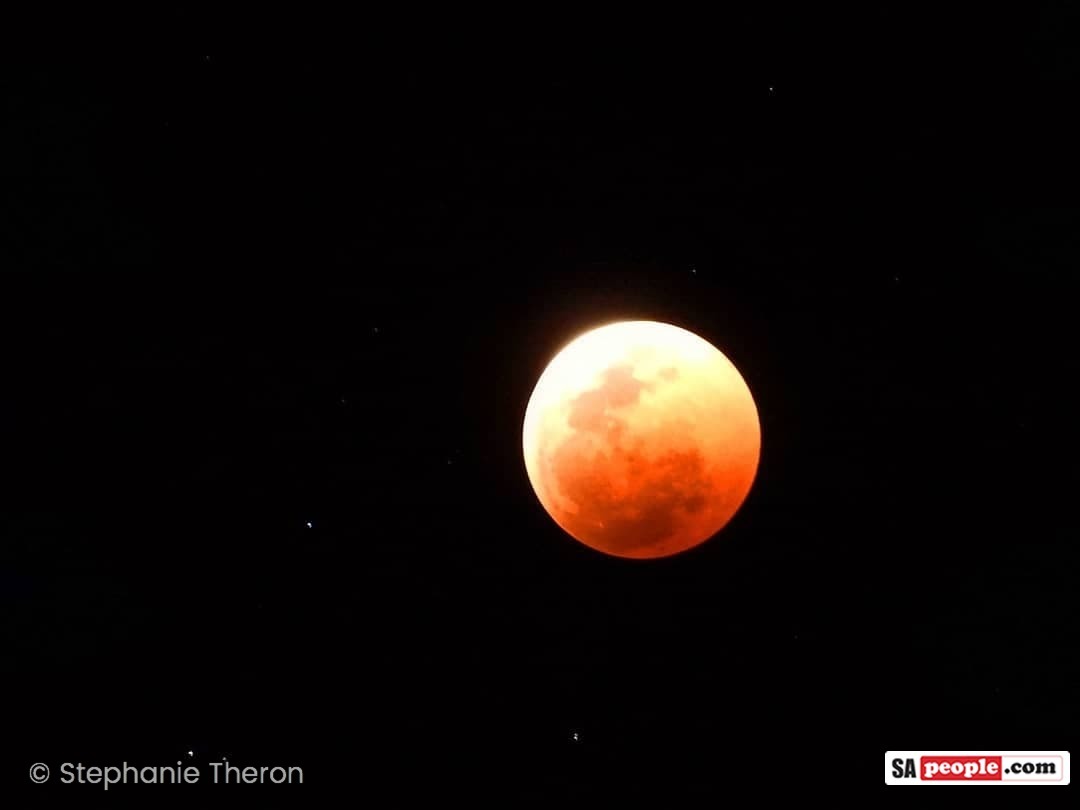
(251, 283)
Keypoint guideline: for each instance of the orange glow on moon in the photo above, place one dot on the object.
(641, 439)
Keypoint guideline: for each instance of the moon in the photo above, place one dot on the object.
(641, 439)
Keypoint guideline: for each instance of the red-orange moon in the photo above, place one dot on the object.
(641, 439)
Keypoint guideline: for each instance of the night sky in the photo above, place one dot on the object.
(271, 313)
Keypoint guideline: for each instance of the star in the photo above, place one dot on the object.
(375, 330)
(575, 737)
(308, 524)
(191, 753)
